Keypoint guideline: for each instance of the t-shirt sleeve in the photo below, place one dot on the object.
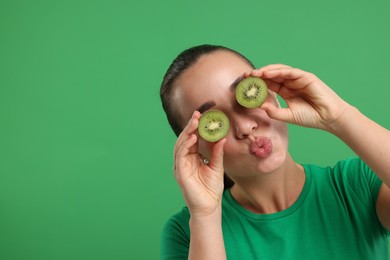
(175, 238)
(364, 182)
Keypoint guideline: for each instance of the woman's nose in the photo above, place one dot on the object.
(244, 126)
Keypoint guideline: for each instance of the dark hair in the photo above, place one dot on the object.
(181, 63)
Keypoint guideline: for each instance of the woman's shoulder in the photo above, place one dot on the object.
(351, 175)
(175, 236)
(342, 167)
(178, 223)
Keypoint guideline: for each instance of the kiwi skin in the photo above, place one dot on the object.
(213, 125)
(251, 92)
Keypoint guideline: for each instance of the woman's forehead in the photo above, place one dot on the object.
(215, 69)
(222, 60)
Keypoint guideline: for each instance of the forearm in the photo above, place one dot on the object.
(206, 240)
(367, 139)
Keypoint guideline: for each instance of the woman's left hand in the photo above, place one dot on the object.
(311, 103)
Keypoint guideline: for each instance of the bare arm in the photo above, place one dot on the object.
(371, 142)
(202, 189)
(367, 139)
(311, 103)
(206, 240)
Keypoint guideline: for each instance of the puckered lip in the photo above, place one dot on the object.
(260, 146)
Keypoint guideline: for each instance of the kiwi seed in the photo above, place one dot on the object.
(251, 92)
(213, 125)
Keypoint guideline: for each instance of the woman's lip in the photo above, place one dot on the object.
(261, 147)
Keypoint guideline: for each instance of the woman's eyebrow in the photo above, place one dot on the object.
(235, 83)
(207, 105)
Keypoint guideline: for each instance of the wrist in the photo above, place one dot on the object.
(205, 217)
(341, 123)
(206, 241)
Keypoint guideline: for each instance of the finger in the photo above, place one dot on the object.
(287, 73)
(189, 129)
(259, 72)
(181, 156)
(291, 77)
(280, 88)
(273, 85)
(274, 66)
(186, 147)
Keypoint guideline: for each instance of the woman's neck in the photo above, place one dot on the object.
(274, 192)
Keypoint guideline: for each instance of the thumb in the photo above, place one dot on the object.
(276, 112)
(216, 160)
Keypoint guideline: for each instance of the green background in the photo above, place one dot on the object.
(85, 149)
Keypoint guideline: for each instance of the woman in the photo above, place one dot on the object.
(270, 207)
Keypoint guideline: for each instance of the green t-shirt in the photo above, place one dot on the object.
(333, 218)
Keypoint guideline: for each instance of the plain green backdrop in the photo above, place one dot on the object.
(85, 149)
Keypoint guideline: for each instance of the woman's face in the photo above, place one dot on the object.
(255, 143)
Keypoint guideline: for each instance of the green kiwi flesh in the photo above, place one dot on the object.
(213, 125)
(251, 92)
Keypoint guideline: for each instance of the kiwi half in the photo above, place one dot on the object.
(251, 92)
(213, 125)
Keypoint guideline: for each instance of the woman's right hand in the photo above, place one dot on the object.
(201, 184)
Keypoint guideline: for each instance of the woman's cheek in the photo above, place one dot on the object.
(228, 150)
(206, 147)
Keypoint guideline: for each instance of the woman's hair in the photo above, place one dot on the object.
(181, 63)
